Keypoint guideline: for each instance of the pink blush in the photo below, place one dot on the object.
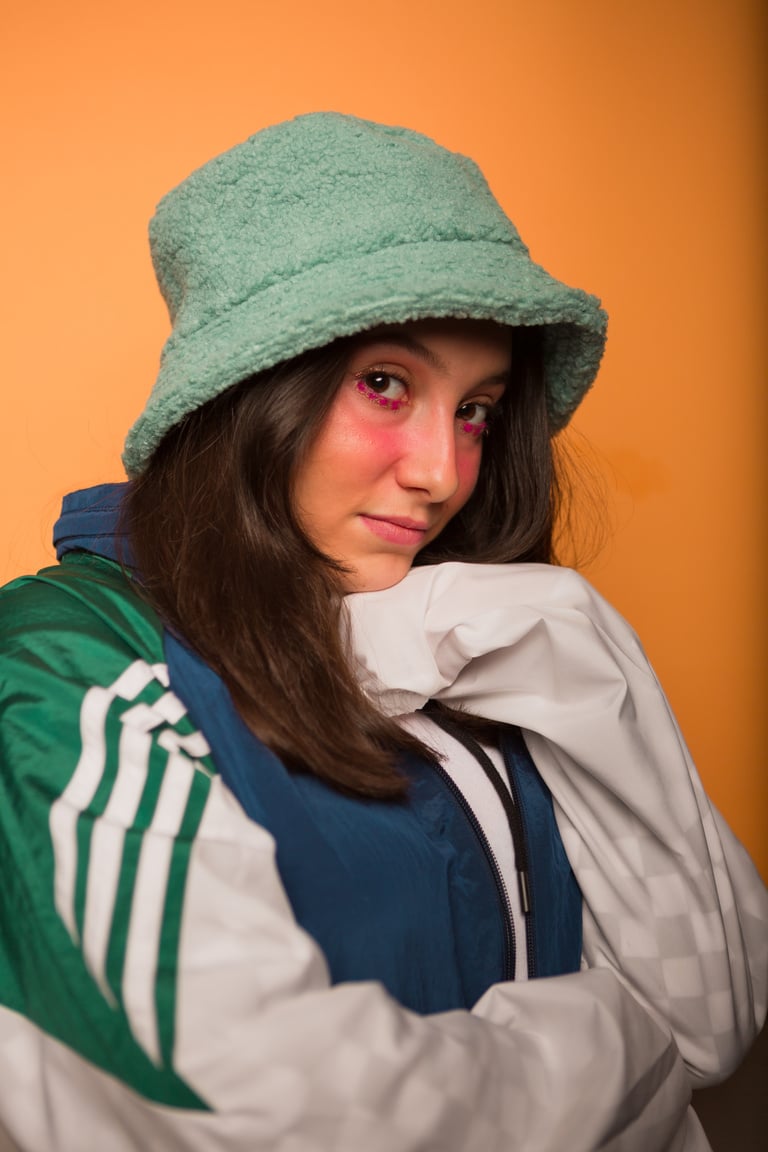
(385, 441)
(467, 469)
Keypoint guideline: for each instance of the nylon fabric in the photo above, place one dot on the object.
(271, 1055)
(76, 820)
(672, 902)
(399, 892)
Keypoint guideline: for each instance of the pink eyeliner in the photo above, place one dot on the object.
(383, 401)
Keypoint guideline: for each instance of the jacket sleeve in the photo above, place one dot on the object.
(672, 903)
(157, 993)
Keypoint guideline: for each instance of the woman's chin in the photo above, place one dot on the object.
(375, 574)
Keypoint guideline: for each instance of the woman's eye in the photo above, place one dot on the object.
(473, 418)
(383, 388)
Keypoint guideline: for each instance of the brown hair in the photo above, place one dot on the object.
(224, 561)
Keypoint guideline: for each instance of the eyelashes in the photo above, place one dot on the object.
(390, 392)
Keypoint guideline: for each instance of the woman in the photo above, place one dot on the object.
(280, 866)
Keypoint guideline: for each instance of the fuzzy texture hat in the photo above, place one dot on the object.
(324, 226)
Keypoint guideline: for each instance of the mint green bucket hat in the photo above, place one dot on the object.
(325, 226)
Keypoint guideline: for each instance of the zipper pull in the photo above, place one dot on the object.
(525, 894)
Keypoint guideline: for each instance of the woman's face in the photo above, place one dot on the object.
(399, 452)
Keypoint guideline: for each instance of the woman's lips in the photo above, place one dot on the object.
(396, 530)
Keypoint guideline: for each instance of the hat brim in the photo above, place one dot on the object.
(466, 279)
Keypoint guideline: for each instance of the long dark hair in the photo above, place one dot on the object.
(225, 562)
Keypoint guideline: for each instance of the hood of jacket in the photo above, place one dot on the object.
(90, 522)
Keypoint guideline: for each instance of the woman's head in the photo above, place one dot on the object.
(328, 226)
(411, 443)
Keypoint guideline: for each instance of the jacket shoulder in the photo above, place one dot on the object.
(83, 599)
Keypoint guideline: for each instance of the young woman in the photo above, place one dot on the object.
(334, 815)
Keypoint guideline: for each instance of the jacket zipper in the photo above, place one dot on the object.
(520, 839)
(501, 887)
(510, 801)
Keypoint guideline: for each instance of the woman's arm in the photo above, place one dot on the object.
(158, 993)
(672, 903)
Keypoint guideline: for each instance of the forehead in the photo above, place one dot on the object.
(433, 339)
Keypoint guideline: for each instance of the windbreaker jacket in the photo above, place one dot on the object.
(236, 1036)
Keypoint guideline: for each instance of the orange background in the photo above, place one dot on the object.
(623, 139)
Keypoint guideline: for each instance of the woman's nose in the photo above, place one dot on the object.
(429, 461)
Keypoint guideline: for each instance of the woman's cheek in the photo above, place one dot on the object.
(468, 461)
(354, 428)
(376, 442)
(385, 441)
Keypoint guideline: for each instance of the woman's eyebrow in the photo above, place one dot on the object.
(405, 340)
